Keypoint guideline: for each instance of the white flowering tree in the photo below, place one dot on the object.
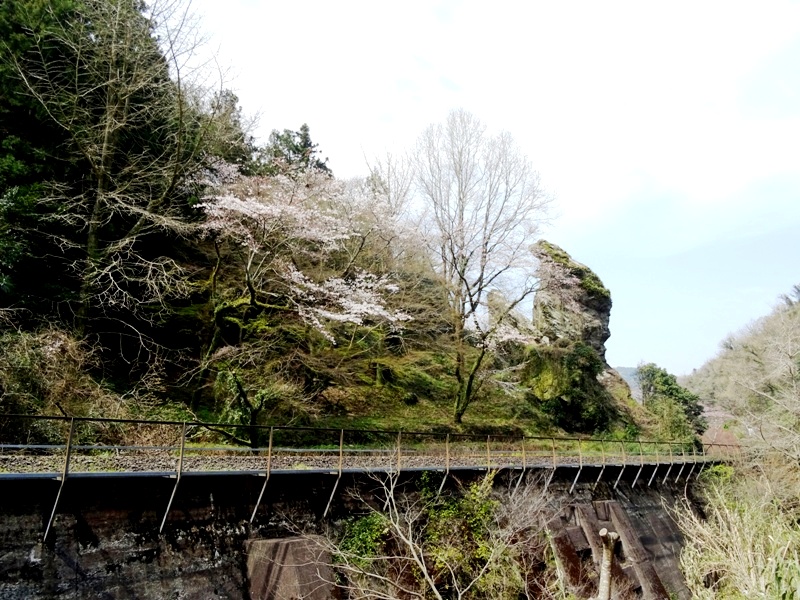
(297, 241)
(289, 246)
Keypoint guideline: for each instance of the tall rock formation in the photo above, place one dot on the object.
(566, 370)
(572, 303)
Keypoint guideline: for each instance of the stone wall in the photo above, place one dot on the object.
(105, 542)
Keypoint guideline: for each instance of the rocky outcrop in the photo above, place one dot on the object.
(572, 303)
(566, 368)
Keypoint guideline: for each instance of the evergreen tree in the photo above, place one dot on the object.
(658, 386)
(291, 151)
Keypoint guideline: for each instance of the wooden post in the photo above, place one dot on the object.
(609, 539)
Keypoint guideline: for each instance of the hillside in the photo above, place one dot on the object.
(186, 272)
(753, 380)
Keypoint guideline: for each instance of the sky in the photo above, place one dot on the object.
(667, 132)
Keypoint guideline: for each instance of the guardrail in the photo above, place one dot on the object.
(176, 448)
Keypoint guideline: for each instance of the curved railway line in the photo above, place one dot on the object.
(169, 447)
(174, 449)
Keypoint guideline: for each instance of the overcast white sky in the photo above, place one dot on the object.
(669, 132)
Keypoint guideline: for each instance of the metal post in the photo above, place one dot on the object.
(574, 481)
(641, 464)
(179, 471)
(63, 478)
(683, 465)
(553, 471)
(624, 463)
(446, 461)
(603, 468)
(399, 434)
(522, 473)
(266, 478)
(703, 463)
(670, 463)
(658, 464)
(339, 476)
(341, 451)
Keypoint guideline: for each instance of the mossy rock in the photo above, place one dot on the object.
(563, 384)
(589, 281)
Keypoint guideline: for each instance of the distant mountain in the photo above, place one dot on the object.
(629, 375)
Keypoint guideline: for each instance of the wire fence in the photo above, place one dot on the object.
(58, 445)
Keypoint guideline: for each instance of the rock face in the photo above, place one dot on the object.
(566, 369)
(572, 303)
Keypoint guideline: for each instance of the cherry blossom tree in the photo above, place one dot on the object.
(297, 240)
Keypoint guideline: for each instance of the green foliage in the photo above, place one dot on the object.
(718, 475)
(46, 373)
(364, 537)
(289, 150)
(467, 541)
(563, 381)
(678, 410)
(413, 378)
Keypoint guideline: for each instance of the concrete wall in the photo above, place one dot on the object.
(105, 542)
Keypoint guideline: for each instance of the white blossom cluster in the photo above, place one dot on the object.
(289, 228)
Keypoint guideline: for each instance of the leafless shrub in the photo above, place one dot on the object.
(418, 542)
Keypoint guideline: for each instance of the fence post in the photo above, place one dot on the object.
(64, 474)
(671, 462)
(624, 463)
(641, 464)
(447, 453)
(179, 471)
(683, 464)
(339, 475)
(580, 466)
(266, 479)
(703, 463)
(399, 435)
(446, 461)
(603, 467)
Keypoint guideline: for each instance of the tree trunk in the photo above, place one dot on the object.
(609, 539)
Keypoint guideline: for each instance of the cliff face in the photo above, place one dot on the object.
(566, 369)
(572, 303)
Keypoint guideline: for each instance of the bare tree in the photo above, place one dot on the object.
(478, 543)
(113, 77)
(757, 378)
(485, 204)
